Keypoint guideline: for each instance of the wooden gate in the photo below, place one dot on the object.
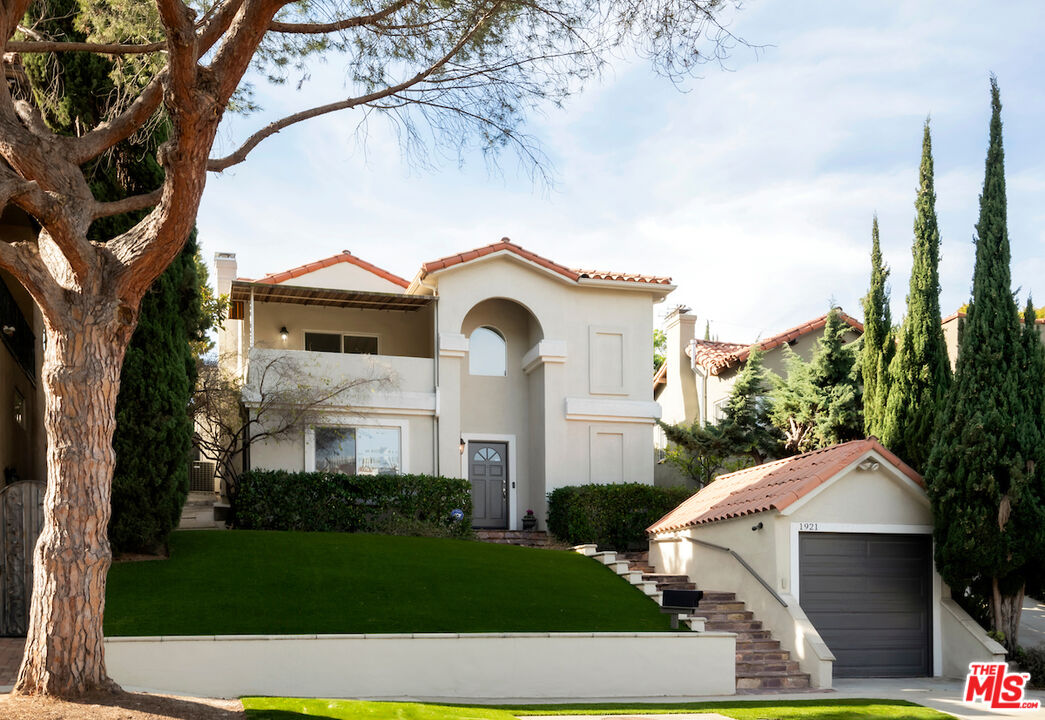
(21, 517)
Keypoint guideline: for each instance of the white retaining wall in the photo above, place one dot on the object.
(472, 666)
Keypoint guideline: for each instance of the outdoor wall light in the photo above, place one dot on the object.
(460, 446)
(283, 333)
(756, 528)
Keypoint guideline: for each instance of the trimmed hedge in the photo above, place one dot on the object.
(614, 517)
(331, 502)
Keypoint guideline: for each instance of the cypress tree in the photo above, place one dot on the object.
(920, 372)
(878, 345)
(153, 435)
(984, 472)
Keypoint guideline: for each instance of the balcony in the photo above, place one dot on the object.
(372, 381)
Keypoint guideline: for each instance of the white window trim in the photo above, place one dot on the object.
(343, 335)
(346, 422)
(877, 529)
(513, 504)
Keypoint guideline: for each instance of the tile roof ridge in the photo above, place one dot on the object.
(505, 244)
(343, 256)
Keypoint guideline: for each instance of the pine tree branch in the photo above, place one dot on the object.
(107, 134)
(127, 204)
(221, 164)
(335, 26)
(56, 46)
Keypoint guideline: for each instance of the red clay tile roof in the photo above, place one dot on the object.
(661, 375)
(717, 356)
(773, 485)
(506, 245)
(344, 256)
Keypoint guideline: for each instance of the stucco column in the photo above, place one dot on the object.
(453, 349)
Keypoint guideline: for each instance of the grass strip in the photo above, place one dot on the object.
(263, 708)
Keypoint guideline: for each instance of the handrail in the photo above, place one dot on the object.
(746, 567)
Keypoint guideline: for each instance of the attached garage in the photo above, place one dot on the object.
(870, 597)
(832, 552)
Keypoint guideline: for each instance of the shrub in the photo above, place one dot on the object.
(614, 517)
(329, 502)
(1032, 660)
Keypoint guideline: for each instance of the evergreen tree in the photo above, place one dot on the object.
(984, 472)
(832, 374)
(920, 372)
(747, 429)
(819, 403)
(153, 432)
(878, 344)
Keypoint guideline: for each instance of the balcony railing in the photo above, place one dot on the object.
(17, 333)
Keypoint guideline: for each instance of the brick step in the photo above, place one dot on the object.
(717, 596)
(638, 557)
(773, 681)
(721, 606)
(676, 586)
(759, 667)
(746, 646)
(661, 578)
(734, 626)
(768, 656)
(522, 538)
(726, 616)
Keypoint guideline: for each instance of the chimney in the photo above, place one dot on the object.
(225, 272)
(679, 401)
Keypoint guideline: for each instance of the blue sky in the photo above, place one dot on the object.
(753, 187)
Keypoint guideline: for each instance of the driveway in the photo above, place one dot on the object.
(1032, 623)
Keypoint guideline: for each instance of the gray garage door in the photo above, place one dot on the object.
(869, 597)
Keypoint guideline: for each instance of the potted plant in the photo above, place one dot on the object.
(529, 520)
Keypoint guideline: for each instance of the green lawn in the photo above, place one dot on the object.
(261, 708)
(248, 582)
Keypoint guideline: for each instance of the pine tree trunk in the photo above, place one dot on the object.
(64, 654)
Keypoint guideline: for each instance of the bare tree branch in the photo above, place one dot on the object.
(220, 164)
(127, 204)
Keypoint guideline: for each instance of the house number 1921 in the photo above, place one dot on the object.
(808, 527)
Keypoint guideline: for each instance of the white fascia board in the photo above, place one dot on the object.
(617, 411)
(545, 351)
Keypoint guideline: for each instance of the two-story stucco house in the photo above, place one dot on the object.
(508, 369)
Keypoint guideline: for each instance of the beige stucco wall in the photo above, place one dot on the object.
(345, 276)
(481, 666)
(600, 339)
(399, 333)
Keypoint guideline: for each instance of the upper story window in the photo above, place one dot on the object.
(338, 343)
(487, 353)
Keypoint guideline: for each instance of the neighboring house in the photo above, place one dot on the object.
(697, 376)
(832, 551)
(509, 369)
(23, 442)
(950, 332)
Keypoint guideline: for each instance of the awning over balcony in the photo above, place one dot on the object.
(326, 297)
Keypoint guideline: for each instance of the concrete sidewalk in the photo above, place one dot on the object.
(1032, 624)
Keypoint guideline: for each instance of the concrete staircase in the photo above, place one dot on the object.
(198, 513)
(762, 665)
(620, 563)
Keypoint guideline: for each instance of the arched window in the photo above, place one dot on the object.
(487, 353)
